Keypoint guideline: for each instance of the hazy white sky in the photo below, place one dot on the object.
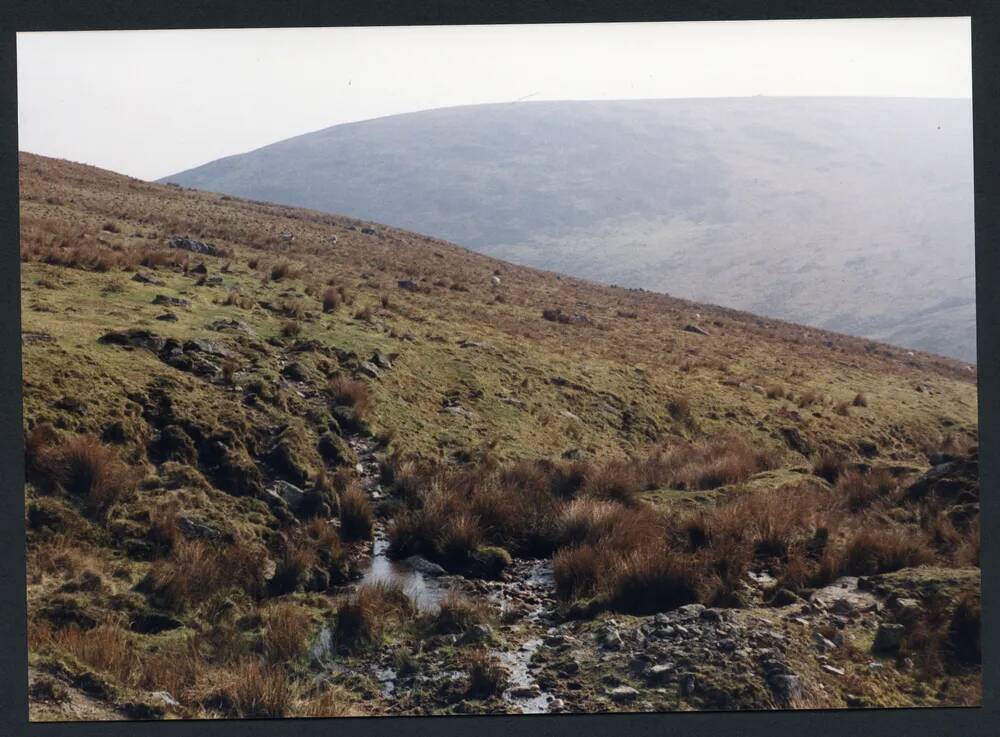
(151, 103)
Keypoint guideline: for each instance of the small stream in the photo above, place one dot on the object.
(528, 591)
(425, 591)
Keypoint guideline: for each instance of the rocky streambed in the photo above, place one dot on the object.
(836, 648)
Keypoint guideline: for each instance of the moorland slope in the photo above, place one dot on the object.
(244, 422)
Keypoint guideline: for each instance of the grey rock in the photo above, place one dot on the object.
(381, 360)
(689, 328)
(164, 299)
(690, 611)
(136, 337)
(165, 698)
(190, 244)
(234, 325)
(197, 530)
(369, 369)
(786, 687)
(888, 637)
(610, 639)
(623, 694)
(823, 642)
(659, 673)
(290, 494)
(688, 683)
(527, 691)
(207, 347)
(422, 565)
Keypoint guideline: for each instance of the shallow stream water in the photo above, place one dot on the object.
(529, 586)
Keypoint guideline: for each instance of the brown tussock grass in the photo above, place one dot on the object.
(487, 677)
(83, 466)
(363, 617)
(195, 571)
(286, 631)
(254, 689)
(458, 613)
(107, 647)
(349, 392)
(356, 515)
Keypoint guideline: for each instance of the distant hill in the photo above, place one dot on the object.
(851, 214)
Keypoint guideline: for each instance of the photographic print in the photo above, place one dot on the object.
(499, 369)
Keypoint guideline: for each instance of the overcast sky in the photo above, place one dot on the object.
(151, 103)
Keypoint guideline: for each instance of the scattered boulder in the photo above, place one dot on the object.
(381, 361)
(288, 493)
(190, 244)
(165, 698)
(844, 596)
(194, 530)
(787, 687)
(659, 673)
(135, 337)
(367, 368)
(888, 638)
(408, 284)
(167, 317)
(691, 328)
(457, 409)
(165, 299)
(207, 347)
(424, 566)
(688, 683)
(623, 694)
(610, 638)
(222, 326)
(527, 691)
(146, 279)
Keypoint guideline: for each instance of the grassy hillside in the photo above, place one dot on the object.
(754, 203)
(213, 437)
